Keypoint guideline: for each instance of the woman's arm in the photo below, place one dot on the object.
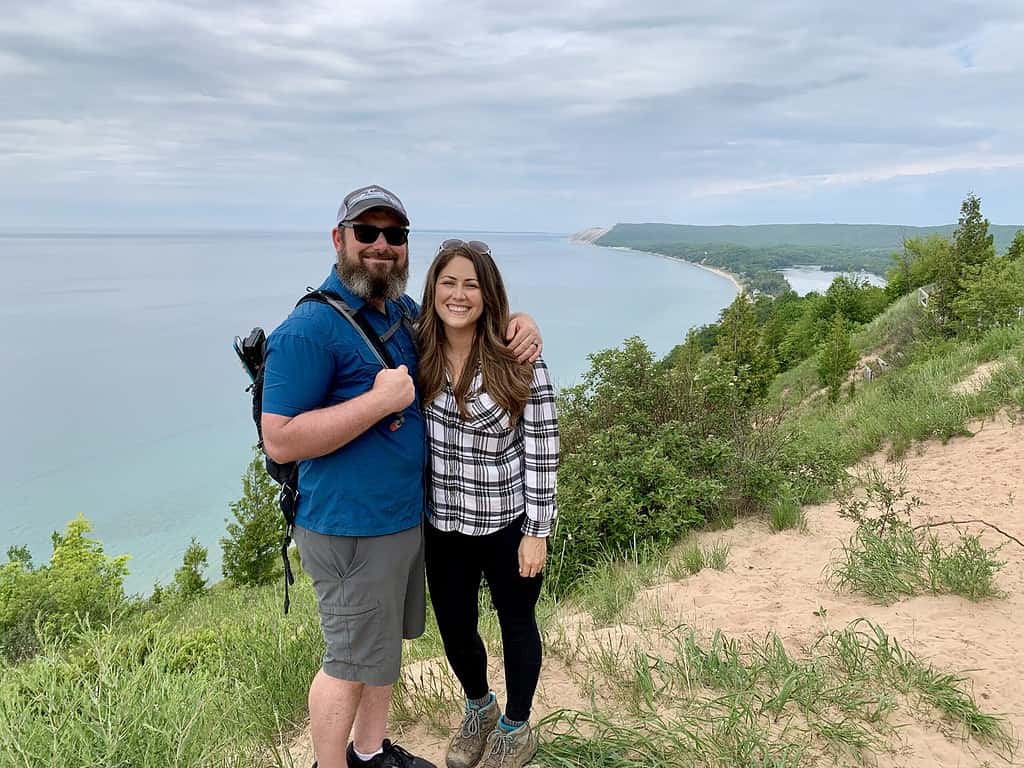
(540, 448)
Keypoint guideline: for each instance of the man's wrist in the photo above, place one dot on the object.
(378, 404)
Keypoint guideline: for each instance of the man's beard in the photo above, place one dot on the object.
(368, 284)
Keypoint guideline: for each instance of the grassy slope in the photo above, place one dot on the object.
(915, 400)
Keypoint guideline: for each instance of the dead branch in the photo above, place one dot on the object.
(964, 522)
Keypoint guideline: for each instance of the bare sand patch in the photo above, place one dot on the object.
(978, 378)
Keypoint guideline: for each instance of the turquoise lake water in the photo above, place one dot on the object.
(125, 403)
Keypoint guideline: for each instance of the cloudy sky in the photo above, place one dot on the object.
(553, 116)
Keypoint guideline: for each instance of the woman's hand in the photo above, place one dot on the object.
(523, 338)
(533, 551)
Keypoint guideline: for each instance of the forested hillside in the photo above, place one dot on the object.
(756, 253)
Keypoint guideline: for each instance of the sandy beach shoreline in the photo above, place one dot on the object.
(720, 272)
(727, 275)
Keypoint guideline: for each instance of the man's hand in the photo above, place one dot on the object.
(523, 338)
(533, 551)
(395, 389)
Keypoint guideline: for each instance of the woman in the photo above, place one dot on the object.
(493, 441)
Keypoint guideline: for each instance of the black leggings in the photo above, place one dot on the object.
(455, 563)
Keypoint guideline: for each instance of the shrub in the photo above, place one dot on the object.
(80, 583)
(189, 581)
(621, 488)
(651, 450)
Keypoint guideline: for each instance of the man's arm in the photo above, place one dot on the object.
(324, 430)
(523, 337)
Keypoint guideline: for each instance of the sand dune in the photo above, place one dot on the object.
(777, 582)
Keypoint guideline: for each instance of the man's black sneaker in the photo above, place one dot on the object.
(393, 756)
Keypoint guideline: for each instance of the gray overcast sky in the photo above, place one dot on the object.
(549, 116)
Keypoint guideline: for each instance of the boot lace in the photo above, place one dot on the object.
(471, 724)
(502, 745)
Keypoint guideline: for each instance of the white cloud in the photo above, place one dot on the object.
(930, 167)
(546, 116)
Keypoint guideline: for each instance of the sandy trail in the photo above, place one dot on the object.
(776, 582)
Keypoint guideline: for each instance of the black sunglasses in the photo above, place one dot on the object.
(478, 246)
(367, 233)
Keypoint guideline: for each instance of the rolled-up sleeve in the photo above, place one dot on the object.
(540, 448)
(298, 375)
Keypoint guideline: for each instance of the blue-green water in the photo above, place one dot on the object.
(803, 280)
(124, 402)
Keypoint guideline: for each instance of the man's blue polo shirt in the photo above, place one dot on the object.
(373, 485)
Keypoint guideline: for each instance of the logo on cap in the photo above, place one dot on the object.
(374, 192)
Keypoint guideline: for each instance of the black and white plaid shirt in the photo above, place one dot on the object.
(484, 474)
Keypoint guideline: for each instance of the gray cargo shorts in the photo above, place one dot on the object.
(371, 594)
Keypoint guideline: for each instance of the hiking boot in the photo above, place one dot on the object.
(468, 744)
(510, 749)
(393, 756)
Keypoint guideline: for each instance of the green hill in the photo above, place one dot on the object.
(857, 237)
(756, 253)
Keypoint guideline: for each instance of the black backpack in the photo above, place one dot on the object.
(252, 351)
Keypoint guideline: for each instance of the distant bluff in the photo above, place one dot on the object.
(590, 235)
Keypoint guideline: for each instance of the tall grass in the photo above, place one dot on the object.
(902, 563)
(719, 702)
(210, 684)
(887, 558)
(785, 512)
(690, 558)
(610, 588)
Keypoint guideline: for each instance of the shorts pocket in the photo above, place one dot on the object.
(353, 634)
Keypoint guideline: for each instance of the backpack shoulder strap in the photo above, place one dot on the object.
(408, 307)
(357, 321)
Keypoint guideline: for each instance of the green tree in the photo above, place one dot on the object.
(786, 310)
(81, 577)
(836, 357)
(994, 295)
(972, 242)
(189, 580)
(916, 265)
(843, 296)
(1016, 249)
(251, 548)
(803, 336)
(971, 249)
(740, 347)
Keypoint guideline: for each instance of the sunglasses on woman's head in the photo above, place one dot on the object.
(478, 246)
(367, 233)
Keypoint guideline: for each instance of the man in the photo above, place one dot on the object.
(359, 434)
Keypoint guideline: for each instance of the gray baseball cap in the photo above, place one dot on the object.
(359, 201)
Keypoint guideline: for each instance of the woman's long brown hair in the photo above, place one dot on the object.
(504, 379)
